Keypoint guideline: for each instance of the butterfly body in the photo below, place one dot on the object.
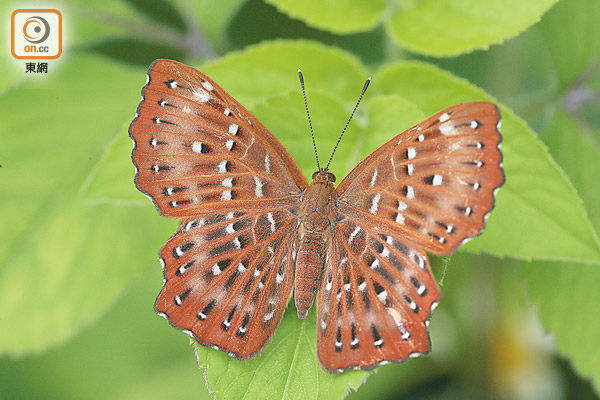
(318, 212)
(254, 230)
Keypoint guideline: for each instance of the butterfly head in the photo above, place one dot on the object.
(323, 176)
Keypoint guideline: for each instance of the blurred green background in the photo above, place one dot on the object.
(79, 271)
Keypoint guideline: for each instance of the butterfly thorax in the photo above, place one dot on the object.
(318, 211)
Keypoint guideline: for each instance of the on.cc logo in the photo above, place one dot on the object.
(36, 29)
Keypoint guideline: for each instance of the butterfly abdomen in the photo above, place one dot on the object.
(317, 213)
(310, 263)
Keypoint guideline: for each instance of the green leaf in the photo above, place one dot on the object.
(138, 32)
(205, 18)
(66, 258)
(341, 17)
(287, 367)
(436, 28)
(130, 347)
(577, 150)
(538, 213)
(575, 53)
(271, 68)
(567, 294)
(452, 27)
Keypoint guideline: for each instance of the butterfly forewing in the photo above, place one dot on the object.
(435, 183)
(196, 148)
(202, 156)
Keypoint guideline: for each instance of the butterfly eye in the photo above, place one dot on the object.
(314, 175)
(331, 177)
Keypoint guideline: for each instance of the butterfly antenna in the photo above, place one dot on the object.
(349, 119)
(309, 121)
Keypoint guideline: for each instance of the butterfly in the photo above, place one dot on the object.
(254, 231)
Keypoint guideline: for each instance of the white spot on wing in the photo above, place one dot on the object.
(226, 195)
(411, 153)
(375, 264)
(258, 184)
(233, 129)
(241, 268)
(201, 95)
(197, 147)
(447, 129)
(375, 203)
(222, 167)
(178, 300)
(353, 234)
(229, 229)
(268, 316)
(278, 278)
(373, 179)
(271, 221)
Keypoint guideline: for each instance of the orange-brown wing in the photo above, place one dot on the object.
(200, 155)
(375, 300)
(428, 189)
(228, 278)
(435, 183)
(197, 148)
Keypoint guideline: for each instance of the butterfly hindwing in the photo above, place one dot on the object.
(228, 278)
(374, 302)
(435, 183)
